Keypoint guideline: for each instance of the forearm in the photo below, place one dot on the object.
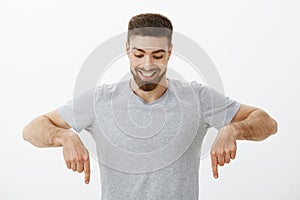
(41, 132)
(257, 126)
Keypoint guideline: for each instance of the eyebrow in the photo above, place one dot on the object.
(156, 51)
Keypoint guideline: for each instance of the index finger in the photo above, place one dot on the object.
(87, 171)
(214, 165)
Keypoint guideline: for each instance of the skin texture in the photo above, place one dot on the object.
(148, 54)
(249, 123)
(50, 130)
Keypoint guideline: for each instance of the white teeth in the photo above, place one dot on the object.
(147, 74)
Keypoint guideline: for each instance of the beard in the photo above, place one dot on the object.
(147, 85)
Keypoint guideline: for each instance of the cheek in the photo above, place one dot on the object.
(134, 61)
(161, 64)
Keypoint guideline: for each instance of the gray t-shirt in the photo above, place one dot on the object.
(116, 111)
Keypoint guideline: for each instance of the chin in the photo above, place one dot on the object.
(148, 87)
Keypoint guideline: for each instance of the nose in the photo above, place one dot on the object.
(148, 60)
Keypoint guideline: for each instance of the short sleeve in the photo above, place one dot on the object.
(79, 112)
(216, 109)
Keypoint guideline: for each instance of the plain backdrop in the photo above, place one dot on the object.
(254, 45)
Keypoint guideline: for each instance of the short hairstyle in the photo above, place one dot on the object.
(150, 24)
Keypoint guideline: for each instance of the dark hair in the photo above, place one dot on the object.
(150, 24)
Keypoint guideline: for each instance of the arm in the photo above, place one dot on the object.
(50, 130)
(248, 124)
(252, 124)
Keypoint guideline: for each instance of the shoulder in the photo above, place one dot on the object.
(195, 86)
(106, 90)
(203, 92)
(182, 84)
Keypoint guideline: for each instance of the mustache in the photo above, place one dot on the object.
(151, 66)
(144, 70)
(152, 70)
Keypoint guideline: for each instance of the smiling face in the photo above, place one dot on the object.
(148, 57)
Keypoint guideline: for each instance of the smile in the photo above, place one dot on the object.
(147, 74)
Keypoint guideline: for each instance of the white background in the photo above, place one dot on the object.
(254, 44)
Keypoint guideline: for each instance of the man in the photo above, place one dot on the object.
(149, 52)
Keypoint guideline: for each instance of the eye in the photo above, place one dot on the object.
(158, 57)
(138, 55)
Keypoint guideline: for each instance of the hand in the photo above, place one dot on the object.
(76, 155)
(224, 148)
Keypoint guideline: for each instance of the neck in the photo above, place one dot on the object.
(150, 96)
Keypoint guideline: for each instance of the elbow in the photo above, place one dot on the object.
(26, 133)
(271, 124)
(274, 126)
(271, 131)
(271, 127)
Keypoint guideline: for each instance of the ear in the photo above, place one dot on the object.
(127, 49)
(170, 51)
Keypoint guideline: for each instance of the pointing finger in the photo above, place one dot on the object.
(214, 165)
(87, 171)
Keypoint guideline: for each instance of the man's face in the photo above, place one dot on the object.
(148, 60)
